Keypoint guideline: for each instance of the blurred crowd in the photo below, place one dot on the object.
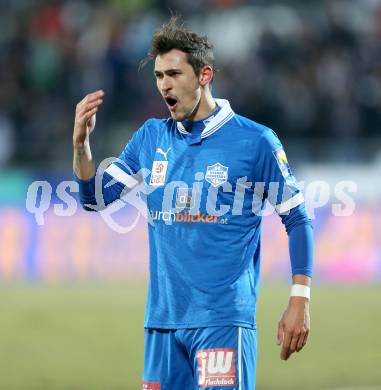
(307, 69)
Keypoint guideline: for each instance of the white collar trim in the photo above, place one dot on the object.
(222, 117)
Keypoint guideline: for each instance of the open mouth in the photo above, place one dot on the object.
(171, 102)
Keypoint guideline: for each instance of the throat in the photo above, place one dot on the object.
(203, 110)
(194, 127)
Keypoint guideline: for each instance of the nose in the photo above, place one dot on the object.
(166, 84)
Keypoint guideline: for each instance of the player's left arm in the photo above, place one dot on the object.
(283, 192)
(294, 325)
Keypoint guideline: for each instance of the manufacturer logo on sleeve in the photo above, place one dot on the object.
(216, 174)
(216, 367)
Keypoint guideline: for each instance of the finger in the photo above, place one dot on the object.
(285, 352)
(89, 107)
(89, 114)
(294, 341)
(303, 341)
(280, 334)
(94, 95)
(306, 338)
(89, 100)
(300, 342)
(91, 97)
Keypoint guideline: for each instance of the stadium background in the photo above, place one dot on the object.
(72, 291)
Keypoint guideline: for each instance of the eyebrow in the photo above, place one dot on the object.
(167, 71)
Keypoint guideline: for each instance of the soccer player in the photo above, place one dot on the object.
(210, 171)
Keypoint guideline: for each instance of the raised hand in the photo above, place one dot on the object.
(84, 123)
(85, 116)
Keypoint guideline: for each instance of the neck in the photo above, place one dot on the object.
(204, 108)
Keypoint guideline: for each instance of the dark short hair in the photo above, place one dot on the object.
(173, 35)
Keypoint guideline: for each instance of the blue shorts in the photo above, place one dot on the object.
(203, 358)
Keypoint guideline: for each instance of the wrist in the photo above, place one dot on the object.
(300, 291)
(299, 302)
(301, 279)
(80, 143)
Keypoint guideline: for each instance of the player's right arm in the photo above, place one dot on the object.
(99, 189)
(84, 124)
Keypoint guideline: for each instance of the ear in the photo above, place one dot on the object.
(206, 75)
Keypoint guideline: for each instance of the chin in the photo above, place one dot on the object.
(177, 116)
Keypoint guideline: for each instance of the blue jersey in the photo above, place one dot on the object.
(206, 186)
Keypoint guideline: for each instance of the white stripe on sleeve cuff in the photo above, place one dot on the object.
(296, 200)
(121, 176)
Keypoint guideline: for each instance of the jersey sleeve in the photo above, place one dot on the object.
(300, 240)
(123, 169)
(280, 185)
(111, 180)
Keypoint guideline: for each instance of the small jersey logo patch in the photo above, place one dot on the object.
(216, 367)
(158, 173)
(216, 174)
(281, 159)
(151, 385)
(184, 198)
(161, 151)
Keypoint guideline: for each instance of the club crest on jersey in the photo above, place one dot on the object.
(216, 174)
(158, 173)
(216, 367)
